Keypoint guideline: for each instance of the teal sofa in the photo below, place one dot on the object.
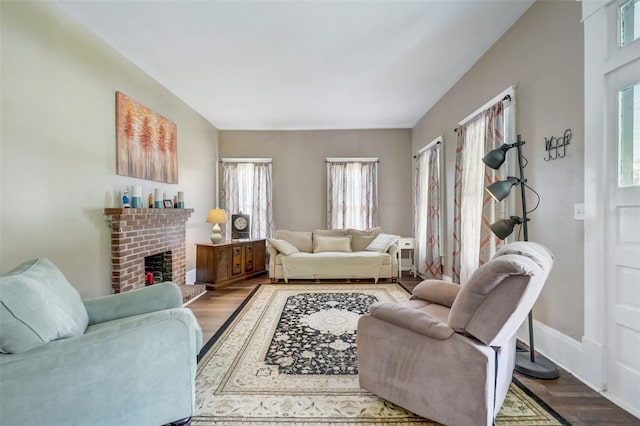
(124, 359)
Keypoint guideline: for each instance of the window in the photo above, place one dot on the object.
(629, 136)
(352, 193)
(629, 22)
(246, 188)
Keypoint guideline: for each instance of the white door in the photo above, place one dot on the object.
(622, 267)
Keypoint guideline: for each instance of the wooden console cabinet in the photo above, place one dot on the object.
(218, 265)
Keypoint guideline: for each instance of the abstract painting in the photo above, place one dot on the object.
(146, 142)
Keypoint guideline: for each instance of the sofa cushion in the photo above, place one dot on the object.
(361, 239)
(386, 258)
(336, 244)
(283, 246)
(38, 305)
(302, 240)
(327, 233)
(496, 286)
(534, 251)
(382, 242)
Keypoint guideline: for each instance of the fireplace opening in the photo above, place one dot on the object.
(158, 268)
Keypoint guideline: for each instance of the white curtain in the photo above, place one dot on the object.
(246, 188)
(427, 212)
(472, 195)
(474, 209)
(352, 194)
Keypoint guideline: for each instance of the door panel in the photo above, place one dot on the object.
(622, 263)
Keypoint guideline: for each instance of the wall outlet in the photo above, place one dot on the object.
(578, 211)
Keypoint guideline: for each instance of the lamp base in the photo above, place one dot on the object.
(216, 235)
(542, 368)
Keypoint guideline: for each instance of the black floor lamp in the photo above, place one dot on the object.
(530, 364)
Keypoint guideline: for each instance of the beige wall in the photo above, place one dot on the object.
(299, 171)
(58, 84)
(542, 54)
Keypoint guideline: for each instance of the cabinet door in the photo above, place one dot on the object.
(236, 263)
(222, 264)
(259, 255)
(248, 258)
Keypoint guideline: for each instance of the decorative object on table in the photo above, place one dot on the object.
(136, 199)
(150, 200)
(216, 216)
(234, 380)
(180, 200)
(167, 204)
(157, 198)
(530, 363)
(240, 226)
(125, 200)
(146, 142)
(553, 145)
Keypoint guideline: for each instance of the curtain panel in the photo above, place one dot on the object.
(247, 188)
(474, 209)
(352, 194)
(427, 210)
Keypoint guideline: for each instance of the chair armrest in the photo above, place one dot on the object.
(394, 251)
(411, 319)
(436, 291)
(154, 298)
(155, 351)
(273, 251)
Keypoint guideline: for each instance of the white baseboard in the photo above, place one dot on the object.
(190, 277)
(583, 360)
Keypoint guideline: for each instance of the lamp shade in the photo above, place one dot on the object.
(496, 157)
(500, 190)
(217, 216)
(503, 228)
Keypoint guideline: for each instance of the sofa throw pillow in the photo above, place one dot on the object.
(283, 246)
(38, 305)
(302, 240)
(339, 244)
(361, 239)
(326, 233)
(382, 243)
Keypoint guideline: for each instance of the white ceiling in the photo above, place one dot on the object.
(273, 65)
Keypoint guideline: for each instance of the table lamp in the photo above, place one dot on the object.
(216, 216)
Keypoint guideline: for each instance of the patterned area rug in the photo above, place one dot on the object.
(288, 357)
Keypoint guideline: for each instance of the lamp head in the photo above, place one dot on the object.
(217, 216)
(503, 228)
(500, 190)
(496, 157)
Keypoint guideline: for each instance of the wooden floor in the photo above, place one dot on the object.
(576, 402)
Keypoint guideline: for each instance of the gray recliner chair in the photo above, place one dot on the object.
(448, 353)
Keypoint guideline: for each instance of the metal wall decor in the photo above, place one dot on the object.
(556, 147)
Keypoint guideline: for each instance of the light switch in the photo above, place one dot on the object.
(578, 211)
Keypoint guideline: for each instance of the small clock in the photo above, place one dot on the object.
(240, 226)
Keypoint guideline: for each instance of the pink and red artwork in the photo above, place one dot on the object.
(146, 142)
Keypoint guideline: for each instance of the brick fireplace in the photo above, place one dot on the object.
(137, 234)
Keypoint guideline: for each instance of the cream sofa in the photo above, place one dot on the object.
(333, 254)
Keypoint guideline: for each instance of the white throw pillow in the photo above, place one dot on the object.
(283, 246)
(382, 242)
(340, 244)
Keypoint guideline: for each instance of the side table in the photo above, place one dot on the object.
(407, 243)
